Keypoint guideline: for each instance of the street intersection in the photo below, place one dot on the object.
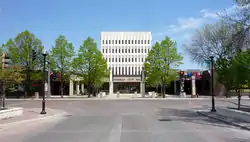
(125, 121)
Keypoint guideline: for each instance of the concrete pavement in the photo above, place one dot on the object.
(129, 121)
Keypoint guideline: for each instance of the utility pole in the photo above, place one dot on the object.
(212, 83)
(49, 87)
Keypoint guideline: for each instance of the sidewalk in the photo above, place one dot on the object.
(32, 115)
(232, 117)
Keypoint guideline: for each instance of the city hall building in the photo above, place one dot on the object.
(125, 53)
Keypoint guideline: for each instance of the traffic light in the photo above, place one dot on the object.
(182, 74)
(33, 55)
(53, 75)
(5, 60)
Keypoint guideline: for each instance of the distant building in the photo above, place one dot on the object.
(125, 53)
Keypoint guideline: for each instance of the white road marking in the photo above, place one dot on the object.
(115, 133)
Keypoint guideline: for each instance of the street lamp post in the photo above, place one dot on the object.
(44, 73)
(212, 83)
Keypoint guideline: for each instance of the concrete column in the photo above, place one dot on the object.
(131, 73)
(82, 88)
(118, 69)
(193, 86)
(111, 85)
(77, 88)
(142, 85)
(115, 67)
(71, 88)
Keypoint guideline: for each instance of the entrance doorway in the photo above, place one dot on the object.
(126, 87)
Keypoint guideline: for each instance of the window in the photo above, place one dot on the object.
(128, 59)
(138, 50)
(135, 41)
(145, 50)
(119, 59)
(135, 70)
(109, 59)
(115, 70)
(112, 41)
(145, 41)
(115, 59)
(141, 59)
(112, 59)
(135, 60)
(112, 50)
(106, 41)
(128, 50)
(125, 41)
(103, 42)
(135, 51)
(102, 50)
(128, 41)
(125, 50)
(141, 41)
(132, 50)
(125, 70)
(132, 59)
(119, 41)
(115, 41)
(119, 50)
(141, 50)
(122, 41)
(109, 41)
(128, 70)
(122, 70)
(132, 71)
(115, 50)
(148, 41)
(112, 70)
(122, 51)
(109, 50)
(132, 42)
(138, 41)
(125, 59)
(122, 59)
(106, 50)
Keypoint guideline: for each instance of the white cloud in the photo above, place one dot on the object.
(209, 14)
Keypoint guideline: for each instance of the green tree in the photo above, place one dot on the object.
(20, 50)
(61, 59)
(90, 65)
(162, 62)
(240, 72)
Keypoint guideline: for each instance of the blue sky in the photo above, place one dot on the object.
(78, 19)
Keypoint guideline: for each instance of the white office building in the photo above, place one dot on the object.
(125, 53)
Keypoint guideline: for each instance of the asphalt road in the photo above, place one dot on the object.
(126, 121)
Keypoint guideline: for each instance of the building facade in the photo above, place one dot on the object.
(125, 53)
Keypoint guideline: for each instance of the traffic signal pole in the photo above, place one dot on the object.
(182, 79)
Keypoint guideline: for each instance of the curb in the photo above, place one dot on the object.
(33, 119)
(224, 121)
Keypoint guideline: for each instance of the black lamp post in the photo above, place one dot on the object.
(44, 73)
(212, 83)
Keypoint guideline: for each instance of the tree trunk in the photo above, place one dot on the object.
(61, 84)
(239, 98)
(89, 91)
(164, 90)
(28, 84)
